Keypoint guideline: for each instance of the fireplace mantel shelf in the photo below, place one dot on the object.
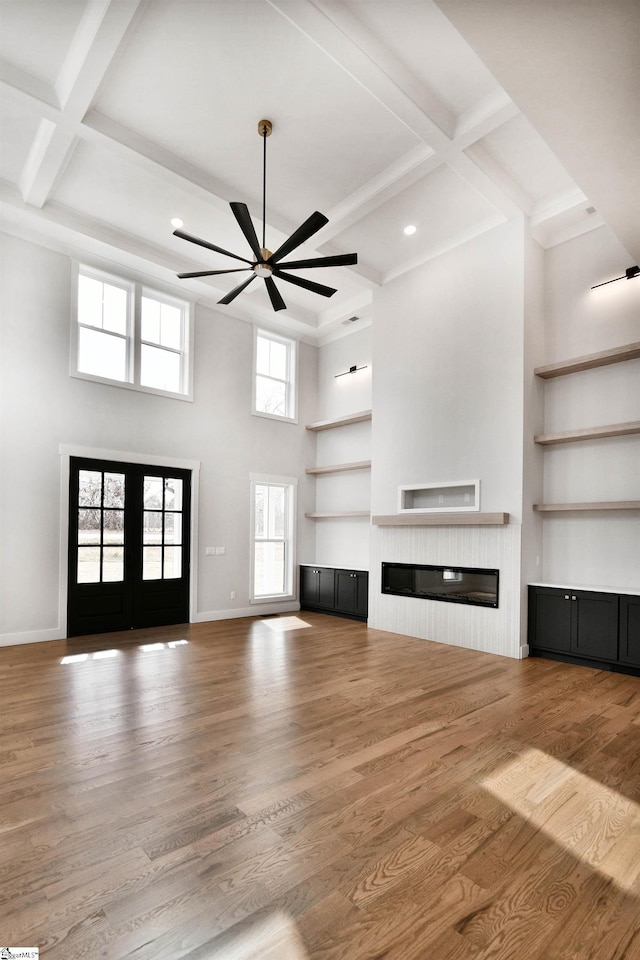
(462, 519)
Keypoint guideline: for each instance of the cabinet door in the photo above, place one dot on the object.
(550, 619)
(352, 588)
(594, 625)
(316, 587)
(326, 588)
(308, 587)
(630, 630)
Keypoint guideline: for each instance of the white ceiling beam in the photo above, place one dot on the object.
(93, 48)
(96, 42)
(483, 118)
(555, 206)
(349, 44)
(49, 154)
(410, 168)
(498, 175)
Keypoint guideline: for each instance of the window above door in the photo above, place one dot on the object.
(127, 334)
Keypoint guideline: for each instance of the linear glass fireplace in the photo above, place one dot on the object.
(472, 585)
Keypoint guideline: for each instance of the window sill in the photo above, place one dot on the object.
(124, 385)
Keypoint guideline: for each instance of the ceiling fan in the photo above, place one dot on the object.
(267, 264)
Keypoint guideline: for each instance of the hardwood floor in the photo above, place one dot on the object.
(396, 798)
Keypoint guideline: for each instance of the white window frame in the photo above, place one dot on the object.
(291, 380)
(136, 289)
(289, 539)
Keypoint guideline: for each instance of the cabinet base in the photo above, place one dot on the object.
(333, 613)
(625, 668)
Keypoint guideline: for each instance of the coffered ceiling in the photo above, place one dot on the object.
(453, 116)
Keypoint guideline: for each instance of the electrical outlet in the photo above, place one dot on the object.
(209, 551)
(233, 594)
(440, 498)
(220, 551)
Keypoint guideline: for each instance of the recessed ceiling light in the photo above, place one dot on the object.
(410, 229)
(177, 223)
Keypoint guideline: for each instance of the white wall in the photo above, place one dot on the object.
(42, 407)
(449, 405)
(600, 549)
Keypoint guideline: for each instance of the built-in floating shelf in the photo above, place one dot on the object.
(337, 515)
(630, 351)
(441, 520)
(340, 421)
(339, 468)
(582, 507)
(589, 433)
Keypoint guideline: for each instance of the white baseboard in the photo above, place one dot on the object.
(255, 610)
(31, 636)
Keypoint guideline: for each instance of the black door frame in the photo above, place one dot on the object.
(120, 458)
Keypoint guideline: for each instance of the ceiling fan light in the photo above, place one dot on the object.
(262, 270)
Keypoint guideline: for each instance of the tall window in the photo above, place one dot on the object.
(275, 376)
(272, 514)
(127, 334)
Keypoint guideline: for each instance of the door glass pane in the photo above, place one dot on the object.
(173, 528)
(113, 526)
(113, 564)
(172, 493)
(88, 525)
(152, 563)
(269, 569)
(152, 527)
(153, 493)
(172, 563)
(114, 490)
(90, 488)
(88, 565)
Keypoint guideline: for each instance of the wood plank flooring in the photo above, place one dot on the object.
(394, 798)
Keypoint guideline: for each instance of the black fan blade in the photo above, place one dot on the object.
(242, 215)
(342, 260)
(209, 246)
(307, 229)
(307, 284)
(236, 290)
(209, 273)
(274, 295)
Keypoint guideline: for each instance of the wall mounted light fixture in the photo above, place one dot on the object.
(351, 370)
(629, 274)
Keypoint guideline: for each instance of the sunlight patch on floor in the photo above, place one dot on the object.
(595, 823)
(285, 623)
(108, 654)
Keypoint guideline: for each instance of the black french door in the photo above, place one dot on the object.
(128, 546)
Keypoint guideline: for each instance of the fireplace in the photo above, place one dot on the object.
(472, 585)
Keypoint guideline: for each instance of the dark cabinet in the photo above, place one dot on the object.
(317, 587)
(630, 630)
(341, 592)
(584, 626)
(352, 589)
